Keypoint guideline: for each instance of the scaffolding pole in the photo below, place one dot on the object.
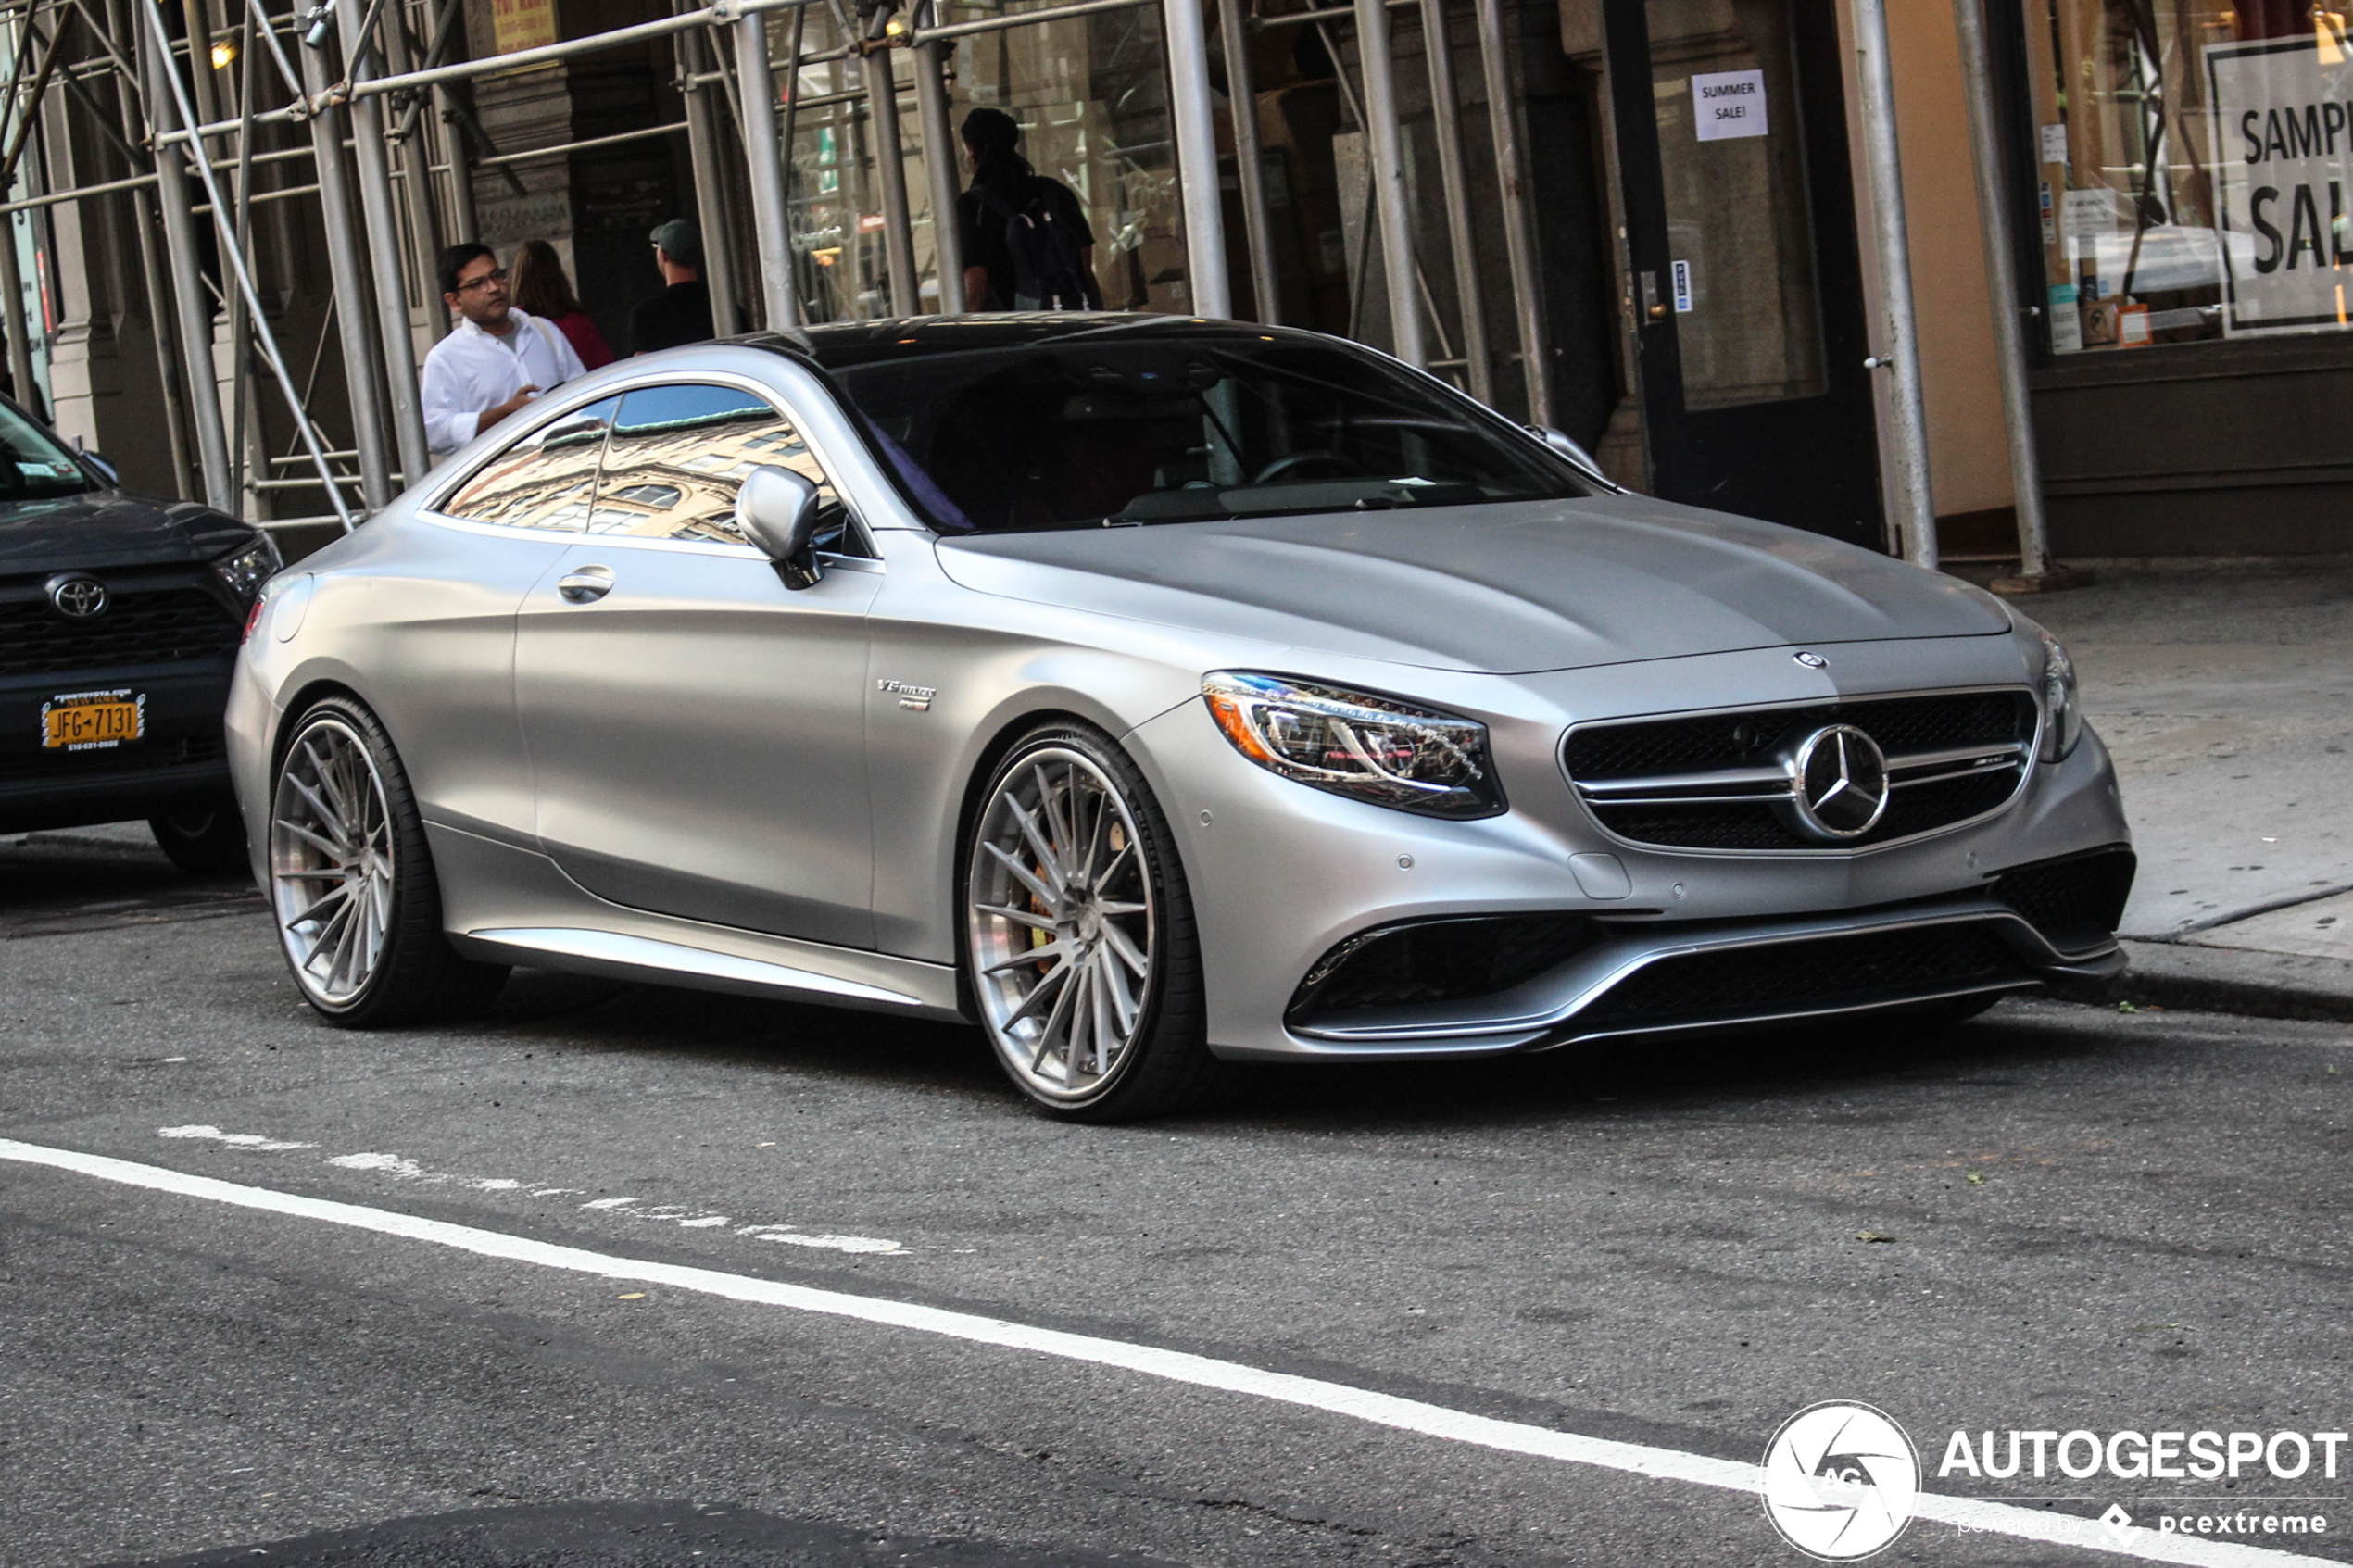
(20, 343)
(11, 280)
(462, 225)
(1387, 161)
(940, 171)
(771, 220)
(194, 306)
(1519, 211)
(425, 227)
(384, 249)
(1882, 161)
(1241, 106)
(2001, 295)
(710, 201)
(344, 270)
(1470, 299)
(890, 174)
(177, 104)
(1196, 136)
(151, 269)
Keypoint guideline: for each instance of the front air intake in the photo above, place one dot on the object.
(2076, 903)
(1437, 961)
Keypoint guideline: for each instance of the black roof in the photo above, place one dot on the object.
(841, 345)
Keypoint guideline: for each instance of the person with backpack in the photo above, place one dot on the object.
(1025, 241)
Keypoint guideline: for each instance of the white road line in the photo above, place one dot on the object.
(235, 1140)
(1175, 1366)
(408, 1169)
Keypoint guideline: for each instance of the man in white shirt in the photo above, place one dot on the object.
(494, 361)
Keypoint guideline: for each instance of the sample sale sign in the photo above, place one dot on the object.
(2283, 168)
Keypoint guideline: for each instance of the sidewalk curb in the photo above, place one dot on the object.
(2240, 980)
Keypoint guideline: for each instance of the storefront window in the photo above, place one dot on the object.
(1090, 94)
(2196, 166)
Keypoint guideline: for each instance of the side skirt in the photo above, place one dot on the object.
(504, 904)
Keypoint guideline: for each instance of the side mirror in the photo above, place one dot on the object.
(105, 469)
(1569, 449)
(777, 511)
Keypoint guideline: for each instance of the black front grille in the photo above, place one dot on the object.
(1757, 738)
(161, 626)
(43, 767)
(2076, 903)
(1438, 960)
(1825, 972)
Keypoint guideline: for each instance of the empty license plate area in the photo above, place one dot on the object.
(93, 721)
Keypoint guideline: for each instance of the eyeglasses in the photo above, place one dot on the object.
(499, 276)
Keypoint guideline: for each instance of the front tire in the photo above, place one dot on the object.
(1079, 944)
(352, 884)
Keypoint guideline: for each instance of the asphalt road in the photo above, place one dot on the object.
(2086, 1220)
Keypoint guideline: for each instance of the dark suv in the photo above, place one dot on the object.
(119, 619)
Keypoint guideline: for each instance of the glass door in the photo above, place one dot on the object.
(1747, 285)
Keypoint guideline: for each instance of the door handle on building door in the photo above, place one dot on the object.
(1653, 307)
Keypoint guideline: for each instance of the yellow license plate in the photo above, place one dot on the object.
(91, 720)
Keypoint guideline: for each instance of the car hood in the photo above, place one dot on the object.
(109, 528)
(1509, 588)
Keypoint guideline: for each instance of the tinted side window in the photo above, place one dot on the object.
(679, 454)
(544, 481)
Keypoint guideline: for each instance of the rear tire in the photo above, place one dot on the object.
(1069, 858)
(352, 884)
(204, 840)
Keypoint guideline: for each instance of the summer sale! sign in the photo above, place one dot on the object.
(2284, 173)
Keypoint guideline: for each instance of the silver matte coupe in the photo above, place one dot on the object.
(1162, 696)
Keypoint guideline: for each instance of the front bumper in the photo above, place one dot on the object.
(1280, 875)
(1670, 980)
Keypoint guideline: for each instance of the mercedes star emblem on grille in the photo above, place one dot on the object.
(1837, 783)
(78, 597)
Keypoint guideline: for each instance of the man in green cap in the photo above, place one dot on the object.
(681, 312)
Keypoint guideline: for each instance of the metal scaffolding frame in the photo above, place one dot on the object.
(381, 94)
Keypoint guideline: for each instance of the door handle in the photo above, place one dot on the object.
(587, 585)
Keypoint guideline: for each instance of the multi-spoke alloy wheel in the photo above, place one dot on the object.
(1079, 934)
(330, 861)
(351, 882)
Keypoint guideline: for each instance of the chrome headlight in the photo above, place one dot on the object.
(1374, 748)
(2062, 708)
(246, 571)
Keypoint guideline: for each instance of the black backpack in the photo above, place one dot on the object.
(1044, 243)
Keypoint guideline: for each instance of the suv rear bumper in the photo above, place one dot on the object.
(181, 762)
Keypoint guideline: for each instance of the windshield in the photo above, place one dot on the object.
(1083, 431)
(34, 467)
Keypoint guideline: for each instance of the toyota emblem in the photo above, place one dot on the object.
(78, 598)
(1838, 784)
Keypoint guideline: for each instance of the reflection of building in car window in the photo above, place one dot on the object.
(678, 479)
(543, 483)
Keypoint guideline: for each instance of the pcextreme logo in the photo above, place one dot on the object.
(1840, 1480)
